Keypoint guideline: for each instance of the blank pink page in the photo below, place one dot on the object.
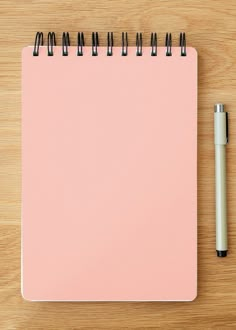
(109, 162)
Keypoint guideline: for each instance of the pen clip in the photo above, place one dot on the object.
(227, 127)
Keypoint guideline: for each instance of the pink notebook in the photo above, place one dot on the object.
(109, 174)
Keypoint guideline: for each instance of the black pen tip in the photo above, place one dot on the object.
(221, 254)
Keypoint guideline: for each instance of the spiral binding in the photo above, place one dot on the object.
(95, 44)
(51, 42)
(110, 43)
(37, 43)
(139, 44)
(168, 44)
(124, 47)
(65, 43)
(80, 43)
(182, 44)
(153, 44)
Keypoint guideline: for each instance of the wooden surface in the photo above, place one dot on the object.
(211, 28)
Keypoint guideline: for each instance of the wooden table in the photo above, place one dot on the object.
(211, 28)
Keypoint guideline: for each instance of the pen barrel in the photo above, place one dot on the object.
(221, 208)
(220, 180)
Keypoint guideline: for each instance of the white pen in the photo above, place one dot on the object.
(221, 139)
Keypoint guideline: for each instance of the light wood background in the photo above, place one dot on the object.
(211, 28)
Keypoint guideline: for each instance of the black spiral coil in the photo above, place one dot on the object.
(139, 44)
(95, 44)
(80, 43)
(110, 43)
(153, 44)
(182, 44)
(168, 44)
(65, 43)
(51, 42)
(124, 44)
(37, 43)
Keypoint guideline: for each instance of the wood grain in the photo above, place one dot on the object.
(211, 28)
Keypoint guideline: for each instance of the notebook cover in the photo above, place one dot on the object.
(109, 176)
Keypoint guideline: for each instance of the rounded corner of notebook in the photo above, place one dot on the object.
(25, 295)
(25, 50)
(193, 50)
(193, 296)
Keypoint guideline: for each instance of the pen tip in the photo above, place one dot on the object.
(221, 254)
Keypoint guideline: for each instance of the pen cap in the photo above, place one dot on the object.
(219, 107)
(220, 123)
